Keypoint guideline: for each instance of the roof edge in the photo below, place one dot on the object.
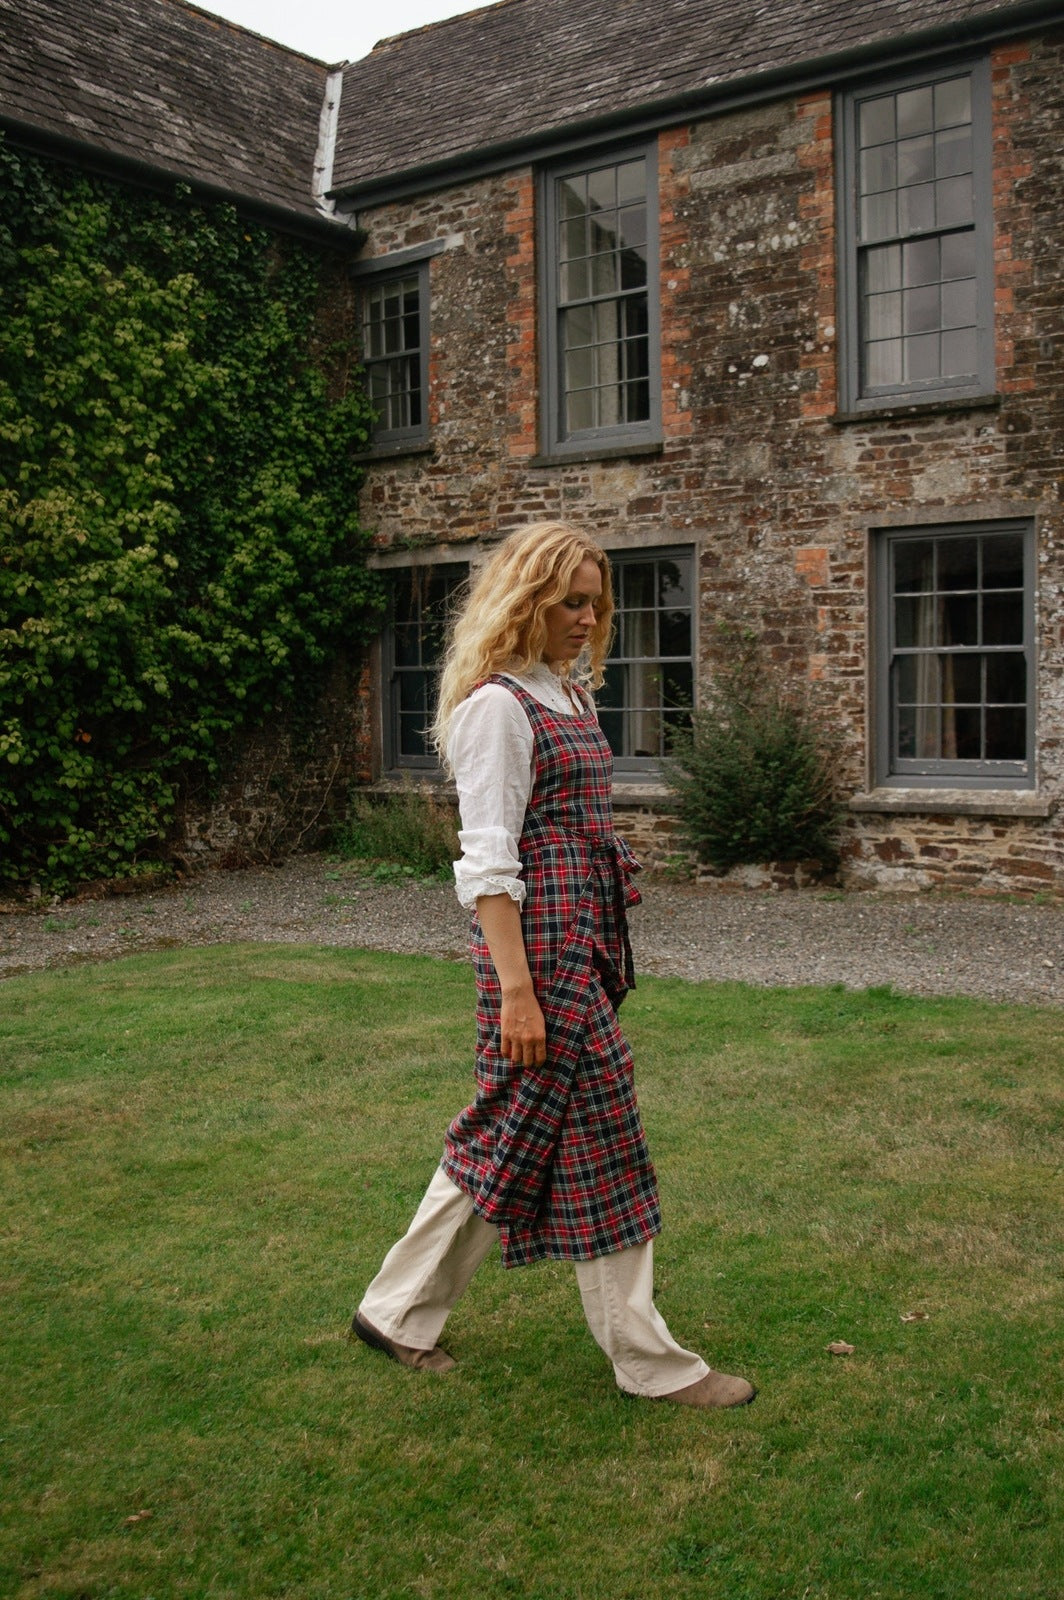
(649, 116)
(338, 227)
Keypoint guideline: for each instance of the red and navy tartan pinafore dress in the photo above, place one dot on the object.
(556, 1155)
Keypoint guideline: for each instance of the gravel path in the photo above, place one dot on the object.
(920, 944)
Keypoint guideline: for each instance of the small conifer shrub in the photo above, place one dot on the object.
(754, 774)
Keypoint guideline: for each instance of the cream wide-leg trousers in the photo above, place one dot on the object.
(425, 1274)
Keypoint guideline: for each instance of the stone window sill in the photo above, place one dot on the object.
(611, 452)
(903, 410)
(955, 802)
(388, 452)
(628, 790)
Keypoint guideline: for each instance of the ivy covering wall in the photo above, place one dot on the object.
(179, 550)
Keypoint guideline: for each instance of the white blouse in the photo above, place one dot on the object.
(490, 751)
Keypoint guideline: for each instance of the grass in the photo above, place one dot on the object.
(207, 1152)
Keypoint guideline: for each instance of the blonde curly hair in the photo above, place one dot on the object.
(502, 626)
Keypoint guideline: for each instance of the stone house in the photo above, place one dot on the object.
(770, 302)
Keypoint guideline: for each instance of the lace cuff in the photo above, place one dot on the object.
(470, 889)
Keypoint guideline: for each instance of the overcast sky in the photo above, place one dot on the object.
(334, 30)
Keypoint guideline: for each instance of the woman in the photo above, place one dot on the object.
(551, 1158)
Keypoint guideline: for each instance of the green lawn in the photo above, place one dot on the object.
(207, 1152)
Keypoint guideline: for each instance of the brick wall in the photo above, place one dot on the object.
(756, 470)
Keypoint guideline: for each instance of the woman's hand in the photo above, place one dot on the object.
(523, 1035)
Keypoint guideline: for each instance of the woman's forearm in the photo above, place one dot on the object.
(523, 1031)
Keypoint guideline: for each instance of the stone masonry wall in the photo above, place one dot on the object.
(777, 493)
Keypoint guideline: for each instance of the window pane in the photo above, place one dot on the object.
(958, 255)
(573, 239)
(962, 734)
(922, 358)
(1006, 734)
(916, 208)
(918, 732)
(958, 564)
(914, 622)
(572, 196)
(579, 369)
(876, 120)
(914, 566)
(631, 181)
(958, 304)
(958, 352)
(675, 633)
(632, 226)
(1006, 678)
(578, 326)
(879, 168)
(916, 680)
(953, 101)
(916, 160)
(883, 268)
(953, 201)
(916, 111)
(637, 634)
(634, 268)
(580, 410)
(962, 679)
(883, 316)
(573, 281)
(604, 274)
(602, 189)
(879, 215)
(637, 583)
(953, 152)
(407, 645)
(1003, 618)
(637, 400)
(1003, 561)
(921, 262)
(921, 310)
(958, 619)
(883, 364)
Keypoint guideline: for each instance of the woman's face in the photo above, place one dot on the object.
(570, 621)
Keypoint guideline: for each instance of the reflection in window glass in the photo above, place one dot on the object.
(915, 201)
(649, 688)
(959, 673)
(602, 296)
(421, 602)
(392, 353)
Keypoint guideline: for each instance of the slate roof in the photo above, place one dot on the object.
(164, 85)
(514, 72)
(161, 87)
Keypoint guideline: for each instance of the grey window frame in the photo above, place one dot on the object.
(913, 772)
(377, 275)
(392, 670)
(555, 440)
(629, 766)
(855, 395)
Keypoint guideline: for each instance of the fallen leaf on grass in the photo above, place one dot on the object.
(914, 1316)
(138, 1516)
(839, 1347)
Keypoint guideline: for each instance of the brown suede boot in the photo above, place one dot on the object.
(716, 1389)
(436, 1360)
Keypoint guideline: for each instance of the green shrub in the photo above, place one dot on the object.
(754, 775)
(408, 833)
(179, 554)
